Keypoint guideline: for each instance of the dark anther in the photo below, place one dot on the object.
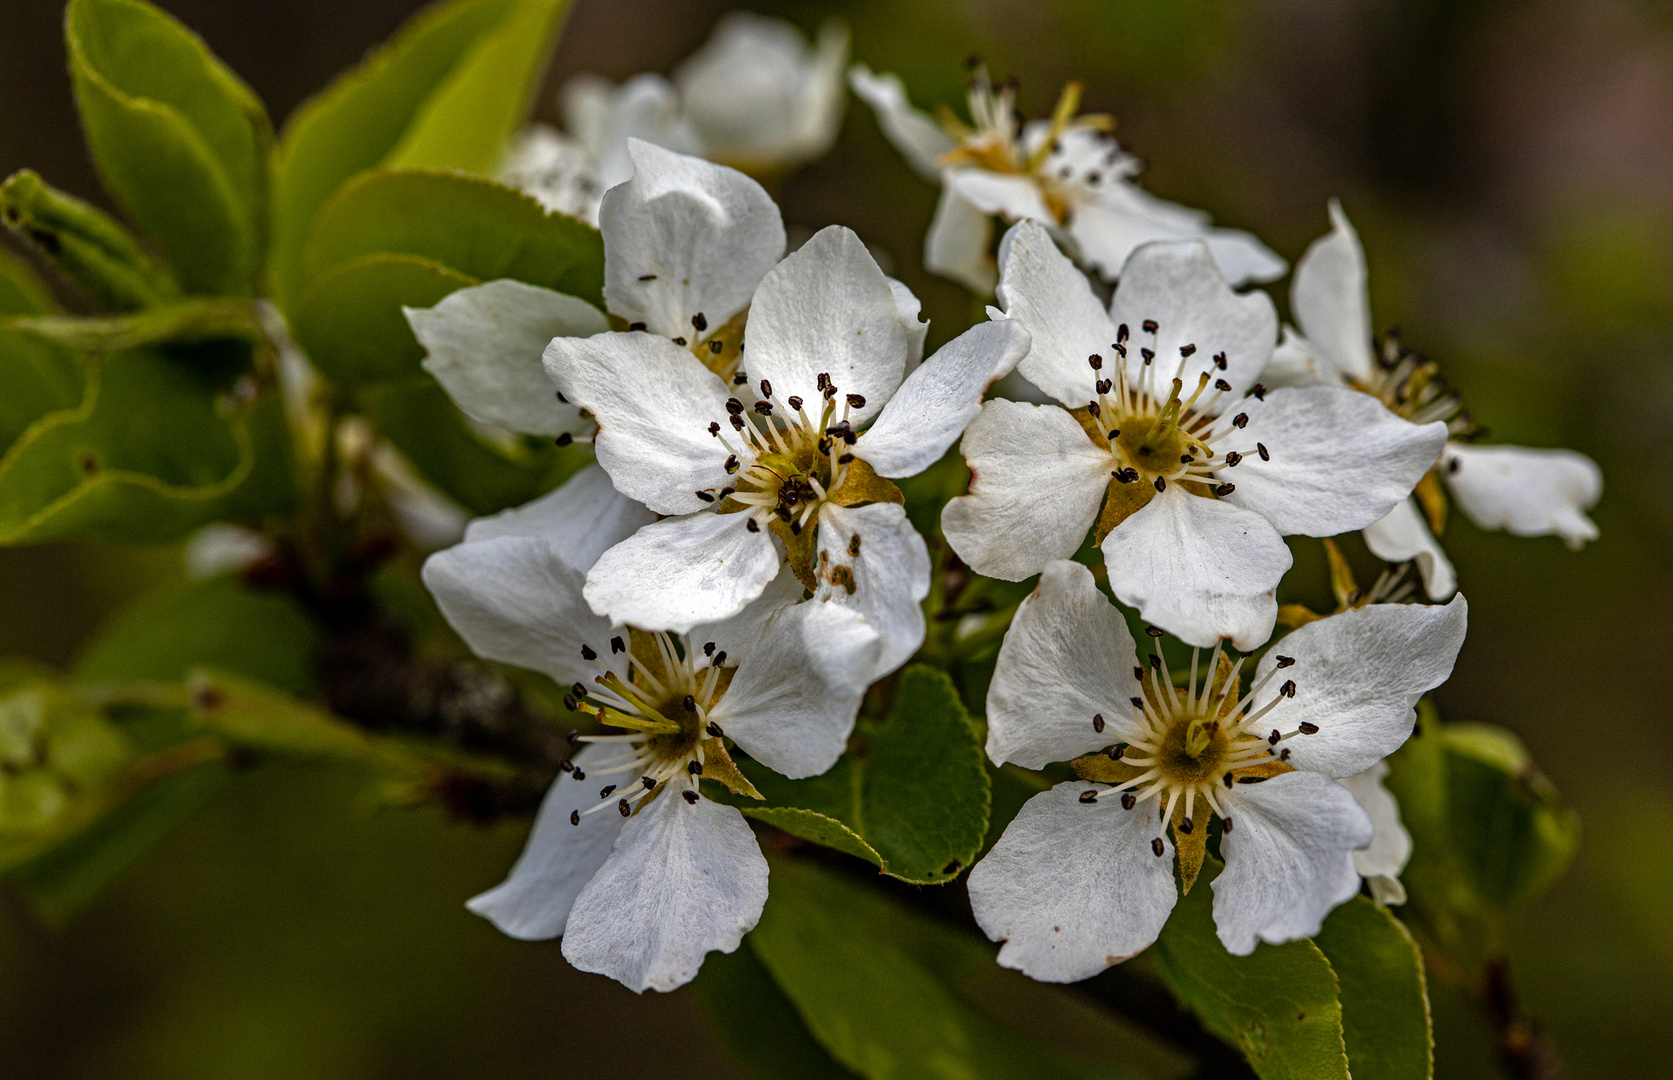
(1259, 391)
(569, 702)
(1138, 673)
(714, 729)
(690, 797)
(1186, 825)
(1148, 354)
(1285, 661)
(1116, 751)
(1114, 434)
(1096, 361)
(844, 459)
(795, 528)
(1272, 739)
(1452, 464)
(1220, 360)
(1240, 420)
(699, 323)
(617, 644)
(1288, 689)
(742, 377)
(1161, 485)
(1260, 448)
(648, 782)
(856, 401)
(566, 765)
(1156, 661)
(694, 767)
(732, 463)
(823, 380)
(566, 438)
(1222, 490)
(587, 653)
(1187, 350)
(1092, 408)
(720, 658)
(794, 402)
(575, 817)
(1308, 729)
(1104, 386)
(579, 774)
(1186, 459)
(1221, 384)
(1138, 702)
(1153, 631)
(1129, 800)
(725, 491)
(714, 427)
(854, 545)
(717, 347)
(680, 341)
(636, 326)
(647, 277)
(766, 388)
(690, 703)
(753, 526)
(705, 496)
(1149, 326)
(1232, 459)
(1120, 350)
(708, 648)
(1121, 332)
(1094, 178)
(734, 406)
(1227, 777)
(1156, 846)
(737, 422)
(1284, 754)
(625, 807)
(1098, 722)
(1226, 824)
(604, 792)
(765, 408)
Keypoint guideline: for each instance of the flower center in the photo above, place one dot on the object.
(659, 690)
(1194, 743)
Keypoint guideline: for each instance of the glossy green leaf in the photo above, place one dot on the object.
(36, 377)
(248, 714)
(423, 423)
(393, 239)
(873, 982)
(1385, 999)
(911, 795)
(1279, 1005)
(179, 321)
(152, 450)
(182, 625)
(445, 93)
(85, 244)
(180, 142)
(757, 1023)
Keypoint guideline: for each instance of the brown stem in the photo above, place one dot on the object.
(1524, 1051)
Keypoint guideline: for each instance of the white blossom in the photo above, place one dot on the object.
(1380, 861)
(638, 872)
(797, 463)
(1199, 471)
(1081, 878)
(1068, 172)
(1529, 492)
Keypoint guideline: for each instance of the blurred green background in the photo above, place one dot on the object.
(1510, 168)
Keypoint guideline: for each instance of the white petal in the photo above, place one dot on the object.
(1073, 887)
(1339, 459)
(913, 132)
(1358, 675)
(1391, 844)
(890, 574)
(605, 117)
(514, 600)
(653, 402)
(1122, 216)
(1527, 492)
(1295, 363)
(956, 245)
(908, 307)
(1066, 658)
(1289, 859)
(938, 400)
(1330, 301)
(580, 520)
(1178, 286)
(558, 859)
(484, 345)
(682, 572)
(1040, 288)
(555, 170)
(737, 635)
(827, 309)
(684, 880)
(1401, 536)
(1201, 569)
(793, 699)
(1009, 195)
(1035, 487)
(707, 233)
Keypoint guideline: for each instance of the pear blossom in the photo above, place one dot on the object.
(756, 97)
(797, 472)
(1082, 878)
(1380, 861)
(1529, 492)
(1068, 172)
(1191, 471)
(628, 861)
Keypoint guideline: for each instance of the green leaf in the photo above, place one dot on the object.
(35, 377)
(84, 243)
(423, 423)
(757, 1023)
(394, 239)
(445, 93)
(1279, 1005)
(180, 142)
(179, 626)
(871, 979)
(1385, 1000)
(152, 451)
(180, 321)
(911, 795)
(249, 714)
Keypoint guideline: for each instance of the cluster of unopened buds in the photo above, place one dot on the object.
(737, 568)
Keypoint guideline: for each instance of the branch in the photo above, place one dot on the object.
(1524, 1051)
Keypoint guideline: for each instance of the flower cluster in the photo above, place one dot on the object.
(738, 567)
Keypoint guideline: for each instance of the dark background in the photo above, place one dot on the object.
(1509, 166)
